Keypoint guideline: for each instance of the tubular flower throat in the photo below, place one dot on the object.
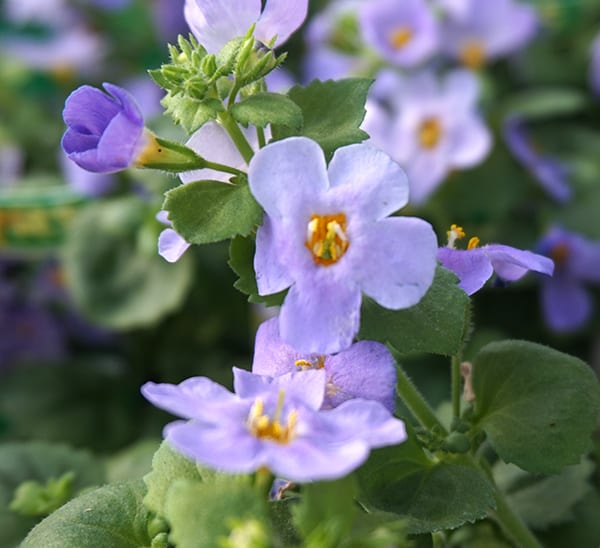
(430, 133)
(264, 427)
(457, 233)
(472, 54)
(326, 238)
(560, 253)
(400, 37)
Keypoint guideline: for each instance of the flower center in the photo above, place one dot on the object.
(560, 253)
(262, 426)
(326, 238)
(472, 54)
(313, 362)
(399, 37)
(430, 133)
(457, 233)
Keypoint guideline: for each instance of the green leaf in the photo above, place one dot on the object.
(538, 406)
(34, 498)
(168, 466)
(241, 258)
(437, 324)
(326, 512)
(110, 516)
(433, 496)
(114, 280)
(227, 512)
(268, 108)
(544, 501)
(191, 113)
(333, 112)
(39, 462)
(546, 103)
(211, 211)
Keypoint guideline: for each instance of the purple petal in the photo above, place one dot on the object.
(472, 266)
(584, 258)
(121, 142)
(321, 318)
(88, 111)
(426, 171)
(280, 18)
(272, 272)
(359, 171)
(566, 304)
(471, 142)
(271, 355)
(171, 246)
(510, 264)
(399, 261)
(281, 175)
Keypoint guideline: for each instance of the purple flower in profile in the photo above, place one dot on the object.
(364, 370)
(566, 303)
(475, 265)
(326, 236)
(594, 71)
(489, 30)
(104, 133)
(548, 172)
(404, 33)
(274, 423)
(431, 127)
(216, 22)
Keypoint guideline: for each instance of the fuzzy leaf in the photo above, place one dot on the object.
(268, 108)
(189, 112)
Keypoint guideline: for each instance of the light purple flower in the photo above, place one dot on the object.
(104, 133)
(364, 370)
(566, 303)
(433, 126)
(404, 33)
(549, 172)
(475, 265)
(85, 182)
(458, 9)
(273, 423)
(594, 71)
(325, 235)
(489, 30)
(211, 141)
(216, 22)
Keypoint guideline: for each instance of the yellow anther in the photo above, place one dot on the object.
(473, 242)
(455, 233)
(326, 238)
(399, 37)
(430, 133)
(264, 427)
(315, 362)
(472, 54)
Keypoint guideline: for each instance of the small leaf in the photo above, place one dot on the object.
(546, 103)
(268, 108)
(110, 516)
(333, 112)
(34, 498)
(433, 496)
(211, 211)
(437, 324)
(189, 112)
(538, 406)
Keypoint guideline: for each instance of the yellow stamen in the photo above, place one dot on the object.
(400, 37)
(473, 242)
(472, 54)
(264, 427)
(315, 362)
(326, 238)
(455, 233)
(430, 133)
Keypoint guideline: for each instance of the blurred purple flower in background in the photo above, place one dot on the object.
(475, 265)
(594, 70)
(85, 182)
(327, 236)
(216, 22)
(551, 174)
(458, 9)
(433, 126)
(489, 30)
(566, 303)
(104, 133)
(404, 33)
(273, 423)
(364, 370)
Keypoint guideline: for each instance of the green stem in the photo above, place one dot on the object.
(456, 386)
(234, 131)
(512, 525)
(416, 403)
(261, 137)
(222, 167)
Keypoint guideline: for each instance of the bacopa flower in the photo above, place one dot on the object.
(273, 423)
(325, 235)
(489, 30)
(105, 133)
(216, 22)
(404, 33)
(594, 70)
(548, 172)
(364, 370)
(475, 265)
(433, 126)
(566, 303)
